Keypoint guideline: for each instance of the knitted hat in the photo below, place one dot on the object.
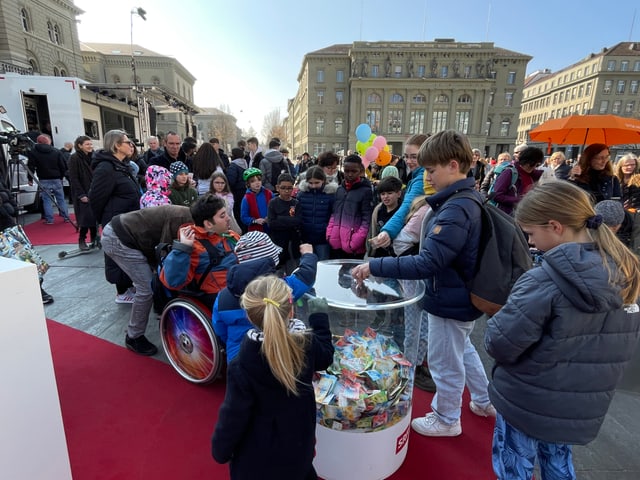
(611, 211)
(254, 245)
(177, 168)
(390, 171)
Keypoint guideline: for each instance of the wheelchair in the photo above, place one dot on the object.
(188, 340)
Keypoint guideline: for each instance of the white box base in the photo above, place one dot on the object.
(342, 455)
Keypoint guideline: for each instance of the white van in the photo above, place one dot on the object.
(14, 172)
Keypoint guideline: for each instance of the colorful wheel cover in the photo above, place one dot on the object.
(189, 341)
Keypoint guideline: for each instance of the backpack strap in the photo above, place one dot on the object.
(214, 259)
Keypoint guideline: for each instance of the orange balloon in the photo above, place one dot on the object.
(383, 158)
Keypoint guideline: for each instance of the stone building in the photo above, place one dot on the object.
(213, 122)
(602, 83)
(402, 88)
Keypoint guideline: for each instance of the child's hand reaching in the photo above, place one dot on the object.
(306, 248)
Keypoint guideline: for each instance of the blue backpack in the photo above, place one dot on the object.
(514, 178)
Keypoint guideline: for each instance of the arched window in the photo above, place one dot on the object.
(34, 65)
(50, 31)
(442, 98)
(396, 98)
(419, 98)
(24, 16)
(63, 72)
(56, 72)
(57, 37)
(374, 98)
(464, 98)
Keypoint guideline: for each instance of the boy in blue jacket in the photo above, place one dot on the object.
(257, 256)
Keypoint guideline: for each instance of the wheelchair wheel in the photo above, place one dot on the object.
(189, 341)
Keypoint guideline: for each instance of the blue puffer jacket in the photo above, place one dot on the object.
(316, 206)
(561, 344)
(448, 255)
(230, 321)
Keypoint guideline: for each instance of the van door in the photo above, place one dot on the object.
(36, 113)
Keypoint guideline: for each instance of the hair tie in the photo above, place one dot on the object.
(272, 302)
(594, 221)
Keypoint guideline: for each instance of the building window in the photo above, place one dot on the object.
(588, 90)
(492, 96)
(604, 106)
(320, 94)
(24, 16)
(416, 122)
(607, 87)
(442, 98)
(585, 108)
(439, 120)
(419, 98)
(616, 107)
(580, 91)
(57, 36)
(339, 97)
(487, 127)
(444, 71)
(511, 78)
(34, 65)
(611, 66)
(574, 92)
(508, 99)
(50, 31)
(56, 72)
(620, 87)
(624, 66)
(320, 126)
(374, 98)
(320, 76)
(63, 72)
(504, 127)
(339, 76)
(421, 71)
(467, 71)
(462, 122)
(464, 98)
(375, 71)
(395, 121)
(338, 125)
(397, 71)
(630, 107)
(633, 87)
(636, 66)
(373, 119)
(396, 98)
(318, 148)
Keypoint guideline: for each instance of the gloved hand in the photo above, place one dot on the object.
(318, 305)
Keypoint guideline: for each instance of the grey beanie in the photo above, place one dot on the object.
(611, 211)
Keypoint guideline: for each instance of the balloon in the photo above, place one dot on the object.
(363, 131)
(380, 142)
(386, 148)
(360, 147)
(372, 137)
(383, 158)
(371, 154)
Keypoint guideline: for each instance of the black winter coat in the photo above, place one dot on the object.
(113, 189)
(8, 208)
(264, 431)
(80, 175)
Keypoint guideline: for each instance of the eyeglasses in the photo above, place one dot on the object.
(127, 141)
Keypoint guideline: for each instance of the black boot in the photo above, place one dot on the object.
(46, 298)
(82, 245)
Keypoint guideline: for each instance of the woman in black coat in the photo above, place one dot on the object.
(114, 190)
(80, 175)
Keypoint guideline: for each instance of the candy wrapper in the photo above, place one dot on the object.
(367, 388)
(15, 244)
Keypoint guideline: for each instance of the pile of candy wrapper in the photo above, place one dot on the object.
(367, 388)
(15, 244)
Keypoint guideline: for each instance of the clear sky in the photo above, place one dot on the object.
(248, 53)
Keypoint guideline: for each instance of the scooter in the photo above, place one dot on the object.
(93, 246)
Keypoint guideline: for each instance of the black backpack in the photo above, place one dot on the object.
(278, 169)
(503, 256)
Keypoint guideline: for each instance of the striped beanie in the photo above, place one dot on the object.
(254, 245)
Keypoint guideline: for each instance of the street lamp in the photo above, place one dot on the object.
(141, 103)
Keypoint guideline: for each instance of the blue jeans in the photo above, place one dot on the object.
(135, 264)
(454, 361)
(514, 455)
(55, 188)
(416, 326)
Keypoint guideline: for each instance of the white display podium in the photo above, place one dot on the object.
(32, 439)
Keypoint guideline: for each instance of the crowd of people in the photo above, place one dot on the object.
(247, 232)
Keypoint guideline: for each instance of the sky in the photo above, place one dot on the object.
(247, 54)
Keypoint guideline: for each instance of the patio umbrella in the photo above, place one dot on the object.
(588, 129)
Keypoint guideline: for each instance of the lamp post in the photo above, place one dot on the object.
(141, 102)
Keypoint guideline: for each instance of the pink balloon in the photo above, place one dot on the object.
(371, 154)
(380, 142)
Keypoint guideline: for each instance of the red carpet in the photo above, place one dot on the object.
(127, 418)
(59, 233)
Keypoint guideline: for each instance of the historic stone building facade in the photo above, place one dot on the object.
(607, 82)
(402, 88)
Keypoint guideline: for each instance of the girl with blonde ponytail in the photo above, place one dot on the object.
(564, 337)
(266, 423)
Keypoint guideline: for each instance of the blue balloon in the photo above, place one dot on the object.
(363, 132)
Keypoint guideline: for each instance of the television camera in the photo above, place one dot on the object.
(19, 144)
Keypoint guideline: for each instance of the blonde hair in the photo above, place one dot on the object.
(268, 303)
(556, 155)
(504, 156)
(416, 204)
(541, 205)
(635, 177)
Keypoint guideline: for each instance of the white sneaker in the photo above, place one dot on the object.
(126, 297)
(488, 411)
(431, 426)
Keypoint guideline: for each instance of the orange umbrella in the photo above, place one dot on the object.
(588, 129)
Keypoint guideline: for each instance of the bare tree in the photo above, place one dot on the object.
(273, 126)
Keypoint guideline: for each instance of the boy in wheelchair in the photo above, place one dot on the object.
(203, 252)
(257, 255)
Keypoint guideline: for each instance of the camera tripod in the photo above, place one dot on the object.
(13, 174)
